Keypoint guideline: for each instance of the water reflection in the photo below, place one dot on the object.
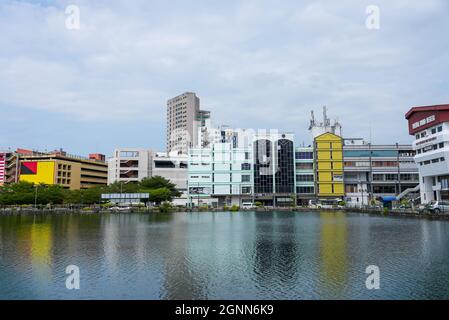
(333, 252)
(224, 255)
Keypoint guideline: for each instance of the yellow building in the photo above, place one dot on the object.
(329, 165)
(68, 171)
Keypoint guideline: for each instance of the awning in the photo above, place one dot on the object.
(388, 198)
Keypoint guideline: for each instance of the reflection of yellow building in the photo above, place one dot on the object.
(333, 249)
(329, 165)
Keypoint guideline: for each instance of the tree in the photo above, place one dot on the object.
(158, 182)
(160, 195)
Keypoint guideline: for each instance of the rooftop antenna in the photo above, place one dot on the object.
(312, 120)
(326, 121)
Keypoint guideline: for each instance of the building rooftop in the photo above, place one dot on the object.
(436, 107)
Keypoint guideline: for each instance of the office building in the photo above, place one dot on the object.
(329, 167)
(220, 175)
(430, 127)
(305, 175)
(130, 165)
(59, 168)
(373, 171)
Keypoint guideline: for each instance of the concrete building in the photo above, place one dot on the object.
(59, 168)
(184, 117)
(430, 127)
(130, 165)
(305, 175)
(329, 167)
(263, 171)
(172, 167)
(373, 171)
(220, 175)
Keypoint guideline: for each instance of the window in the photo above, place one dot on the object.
(441, 145)
(440, 128)
(351, 188)
(246, 190)
(246, 166)
(391, 177)
(378, 177)
(303, 155)
(305, 190)
(304, 166)
(246, 155)
(384, 189)
(246, 178)
(304, 177)
(434, 130)
(435, 160)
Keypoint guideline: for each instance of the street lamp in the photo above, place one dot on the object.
(35, 195)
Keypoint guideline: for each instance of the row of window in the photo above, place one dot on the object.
(303, 155)
(245, 177)
(373, 163)
(424, 163)
(431, 147)
(424, 133)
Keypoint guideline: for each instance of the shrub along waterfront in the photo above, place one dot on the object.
(23, 193)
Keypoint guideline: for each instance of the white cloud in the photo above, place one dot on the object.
(253, 63)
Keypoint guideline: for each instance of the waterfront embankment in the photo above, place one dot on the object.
(154, 210)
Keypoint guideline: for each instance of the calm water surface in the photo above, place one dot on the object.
(274, 255)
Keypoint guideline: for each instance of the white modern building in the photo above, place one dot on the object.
(220, 175)
(130, 165)
(305, 175)
(430, 127)
(226, 174)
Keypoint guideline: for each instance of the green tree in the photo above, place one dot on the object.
(160, 195)
(158, 182)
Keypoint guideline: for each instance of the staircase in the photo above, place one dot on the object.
(407, 191)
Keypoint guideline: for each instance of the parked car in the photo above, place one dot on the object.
(439, 206)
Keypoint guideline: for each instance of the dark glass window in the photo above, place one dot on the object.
(285, 173)
(263, 170)
(246, 166)
(304, 155)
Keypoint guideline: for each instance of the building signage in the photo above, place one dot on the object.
(338, 177)
(423, 122)
(425, 141)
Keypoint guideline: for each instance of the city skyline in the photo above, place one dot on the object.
(106, 84)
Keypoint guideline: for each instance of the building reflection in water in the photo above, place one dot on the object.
(333, 252)
(275, 252)
(180, 280)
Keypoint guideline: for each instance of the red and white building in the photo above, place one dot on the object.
(2, 168)
(430, 126)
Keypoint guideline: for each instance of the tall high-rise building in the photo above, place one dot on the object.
(184, 117)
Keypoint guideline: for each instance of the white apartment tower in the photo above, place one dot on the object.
(184, 117)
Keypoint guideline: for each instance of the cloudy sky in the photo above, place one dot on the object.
(254, 64)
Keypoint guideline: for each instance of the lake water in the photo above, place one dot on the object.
(269, 255)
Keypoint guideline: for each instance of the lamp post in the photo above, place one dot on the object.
(35, 195)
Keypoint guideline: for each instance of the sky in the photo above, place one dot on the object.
(259, 64)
